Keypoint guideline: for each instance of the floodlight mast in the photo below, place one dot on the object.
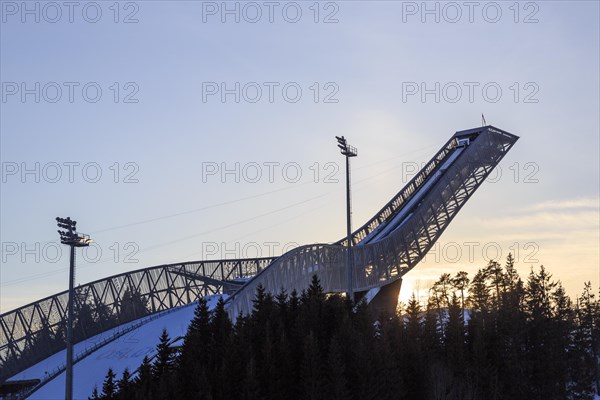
(348, 151)
(70, 237)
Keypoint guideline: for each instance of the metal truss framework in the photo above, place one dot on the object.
(384, 261)
(400, 199)
(376, 264)
(162, 287)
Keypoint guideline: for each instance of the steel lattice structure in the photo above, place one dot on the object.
(387, 260)
(398, 201)
(161, 287)
(375, 264)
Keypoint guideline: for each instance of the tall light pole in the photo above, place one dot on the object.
(71, 238)
(348, 151)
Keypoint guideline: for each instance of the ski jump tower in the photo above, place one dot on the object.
(384, 249)
(394, 241)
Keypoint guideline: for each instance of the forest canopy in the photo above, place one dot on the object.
(490, 336)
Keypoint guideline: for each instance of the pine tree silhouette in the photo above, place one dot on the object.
(144, 384)
(522, 341)
(109, 387)
(124, 386)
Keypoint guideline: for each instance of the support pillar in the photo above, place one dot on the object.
(386, 301)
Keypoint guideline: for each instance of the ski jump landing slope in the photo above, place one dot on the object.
(126, 351)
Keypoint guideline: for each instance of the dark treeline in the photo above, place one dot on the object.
(491, 337)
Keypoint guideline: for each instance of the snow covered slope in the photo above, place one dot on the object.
(126, 351)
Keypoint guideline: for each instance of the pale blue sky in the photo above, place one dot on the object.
(370, 54)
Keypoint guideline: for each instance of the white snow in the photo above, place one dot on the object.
(126, 351)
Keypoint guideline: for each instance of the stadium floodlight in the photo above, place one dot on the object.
(348, 151)
(70, 237)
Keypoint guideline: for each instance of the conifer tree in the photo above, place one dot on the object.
(281, 300)
(163, 364)
(419, 335)
(560, 342)
(144, 383)
(259, 298)
(511, 335)
(440, 293)
(109, 387)
(94, 395)
(493, 271)
(582, 358)
(315, 290)
(413, 319)
(238, 357)
(538, 306)
(455, 336)
(431, 330)
(461, 282)
(193, 360)
(479, 293)
(124, 386)
(221, 329)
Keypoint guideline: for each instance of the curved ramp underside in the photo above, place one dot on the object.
(385, 248)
